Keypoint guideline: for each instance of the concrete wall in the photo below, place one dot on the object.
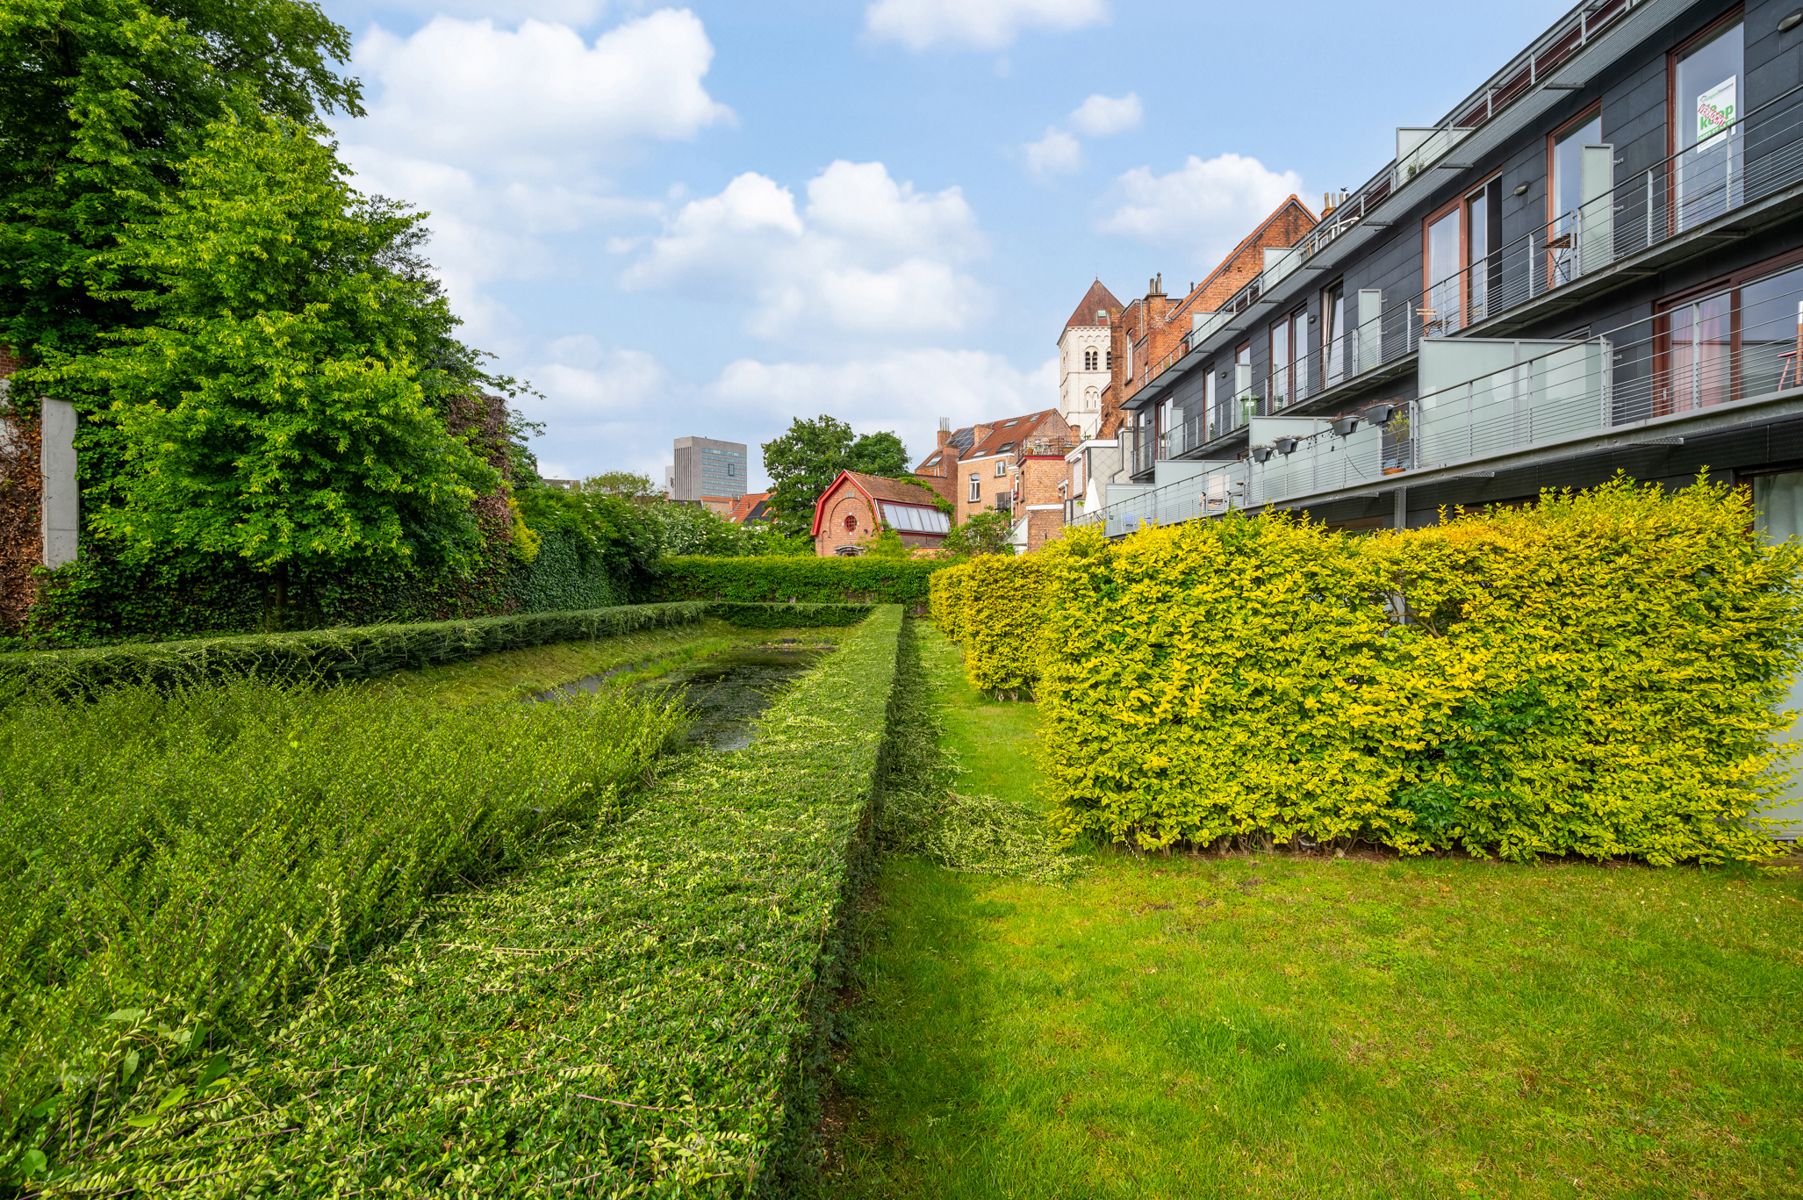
(61, 504)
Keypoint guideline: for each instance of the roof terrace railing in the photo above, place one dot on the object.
(1735, 346)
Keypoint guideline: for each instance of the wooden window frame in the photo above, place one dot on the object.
(1456, 205)
(1322, 340)
(1735, 15)
(1732, 282)
(1584, 115)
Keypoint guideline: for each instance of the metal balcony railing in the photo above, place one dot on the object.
(1732, 347)
(1754, 158)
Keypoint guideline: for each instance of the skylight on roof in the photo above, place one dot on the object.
(905, 518)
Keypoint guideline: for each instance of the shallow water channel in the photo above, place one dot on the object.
(724, 693)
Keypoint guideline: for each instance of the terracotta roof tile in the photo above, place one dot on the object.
(1097, 299)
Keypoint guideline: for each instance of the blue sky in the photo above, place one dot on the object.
(709, 219)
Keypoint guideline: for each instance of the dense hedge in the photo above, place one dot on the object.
(996, 609)
(640, 1014)
(864, 580)
(1594, 675)
(945, 599)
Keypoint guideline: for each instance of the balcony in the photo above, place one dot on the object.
(1714, 362)
(1677, 204)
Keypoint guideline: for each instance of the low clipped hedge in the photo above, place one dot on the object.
(356, 652)
(1000, 614)
(643, 1013)
(1595, 675)
(862, 580)
(366, 651)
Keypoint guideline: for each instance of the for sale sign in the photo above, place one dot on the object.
(1715, 112)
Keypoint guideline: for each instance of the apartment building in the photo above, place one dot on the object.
(708, 472)
(1592, 264)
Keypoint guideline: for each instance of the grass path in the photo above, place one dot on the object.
(1278, 1026)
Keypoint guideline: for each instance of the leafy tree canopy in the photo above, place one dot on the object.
(803, 462)
(282, 399)
(983, 533)
(99, 102)
(629, 485)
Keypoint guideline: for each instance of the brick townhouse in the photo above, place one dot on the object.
(1108, 351)
(1013, 465)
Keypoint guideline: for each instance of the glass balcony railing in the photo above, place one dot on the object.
(1751, 160)
(1736, 347)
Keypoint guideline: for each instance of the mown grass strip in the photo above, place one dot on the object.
(637, 1014)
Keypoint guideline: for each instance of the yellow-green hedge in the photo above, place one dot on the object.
(945, 599)
(1001, 622)
(1594, 675)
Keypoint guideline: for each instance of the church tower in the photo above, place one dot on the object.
(1084, 359)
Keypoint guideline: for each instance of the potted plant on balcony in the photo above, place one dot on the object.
(1396, 443)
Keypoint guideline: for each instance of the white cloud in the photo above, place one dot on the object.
(1204, 207)
(976, 24)
(1104, 116)
(906, 391)
(505, 135)
(563, 12)
(868, 254)
(1057, 153)
(535, 98)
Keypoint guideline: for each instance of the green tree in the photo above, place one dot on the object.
(983, 533)
(628, 485)
(281, 400)
(803, 462)
(99, 101)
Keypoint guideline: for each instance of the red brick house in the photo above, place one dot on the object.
(1013, 465)
(856, 507)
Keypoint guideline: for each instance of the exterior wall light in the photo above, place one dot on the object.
(1791, 22)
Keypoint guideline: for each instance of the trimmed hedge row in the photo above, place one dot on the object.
(863, 580)
(994, 606)
(945, 600)
(1594, 675)
(362, 652)
(641, 1014)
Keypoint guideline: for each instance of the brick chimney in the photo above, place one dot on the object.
(945, 431)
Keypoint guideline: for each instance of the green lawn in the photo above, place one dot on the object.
(1282, 1026)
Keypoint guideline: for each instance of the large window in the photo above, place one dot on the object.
(976, 488)
(1461, 256)
(1289, 360)
(1708, 94)
(1565, 196)
(1333, 334)
(1735, 342)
